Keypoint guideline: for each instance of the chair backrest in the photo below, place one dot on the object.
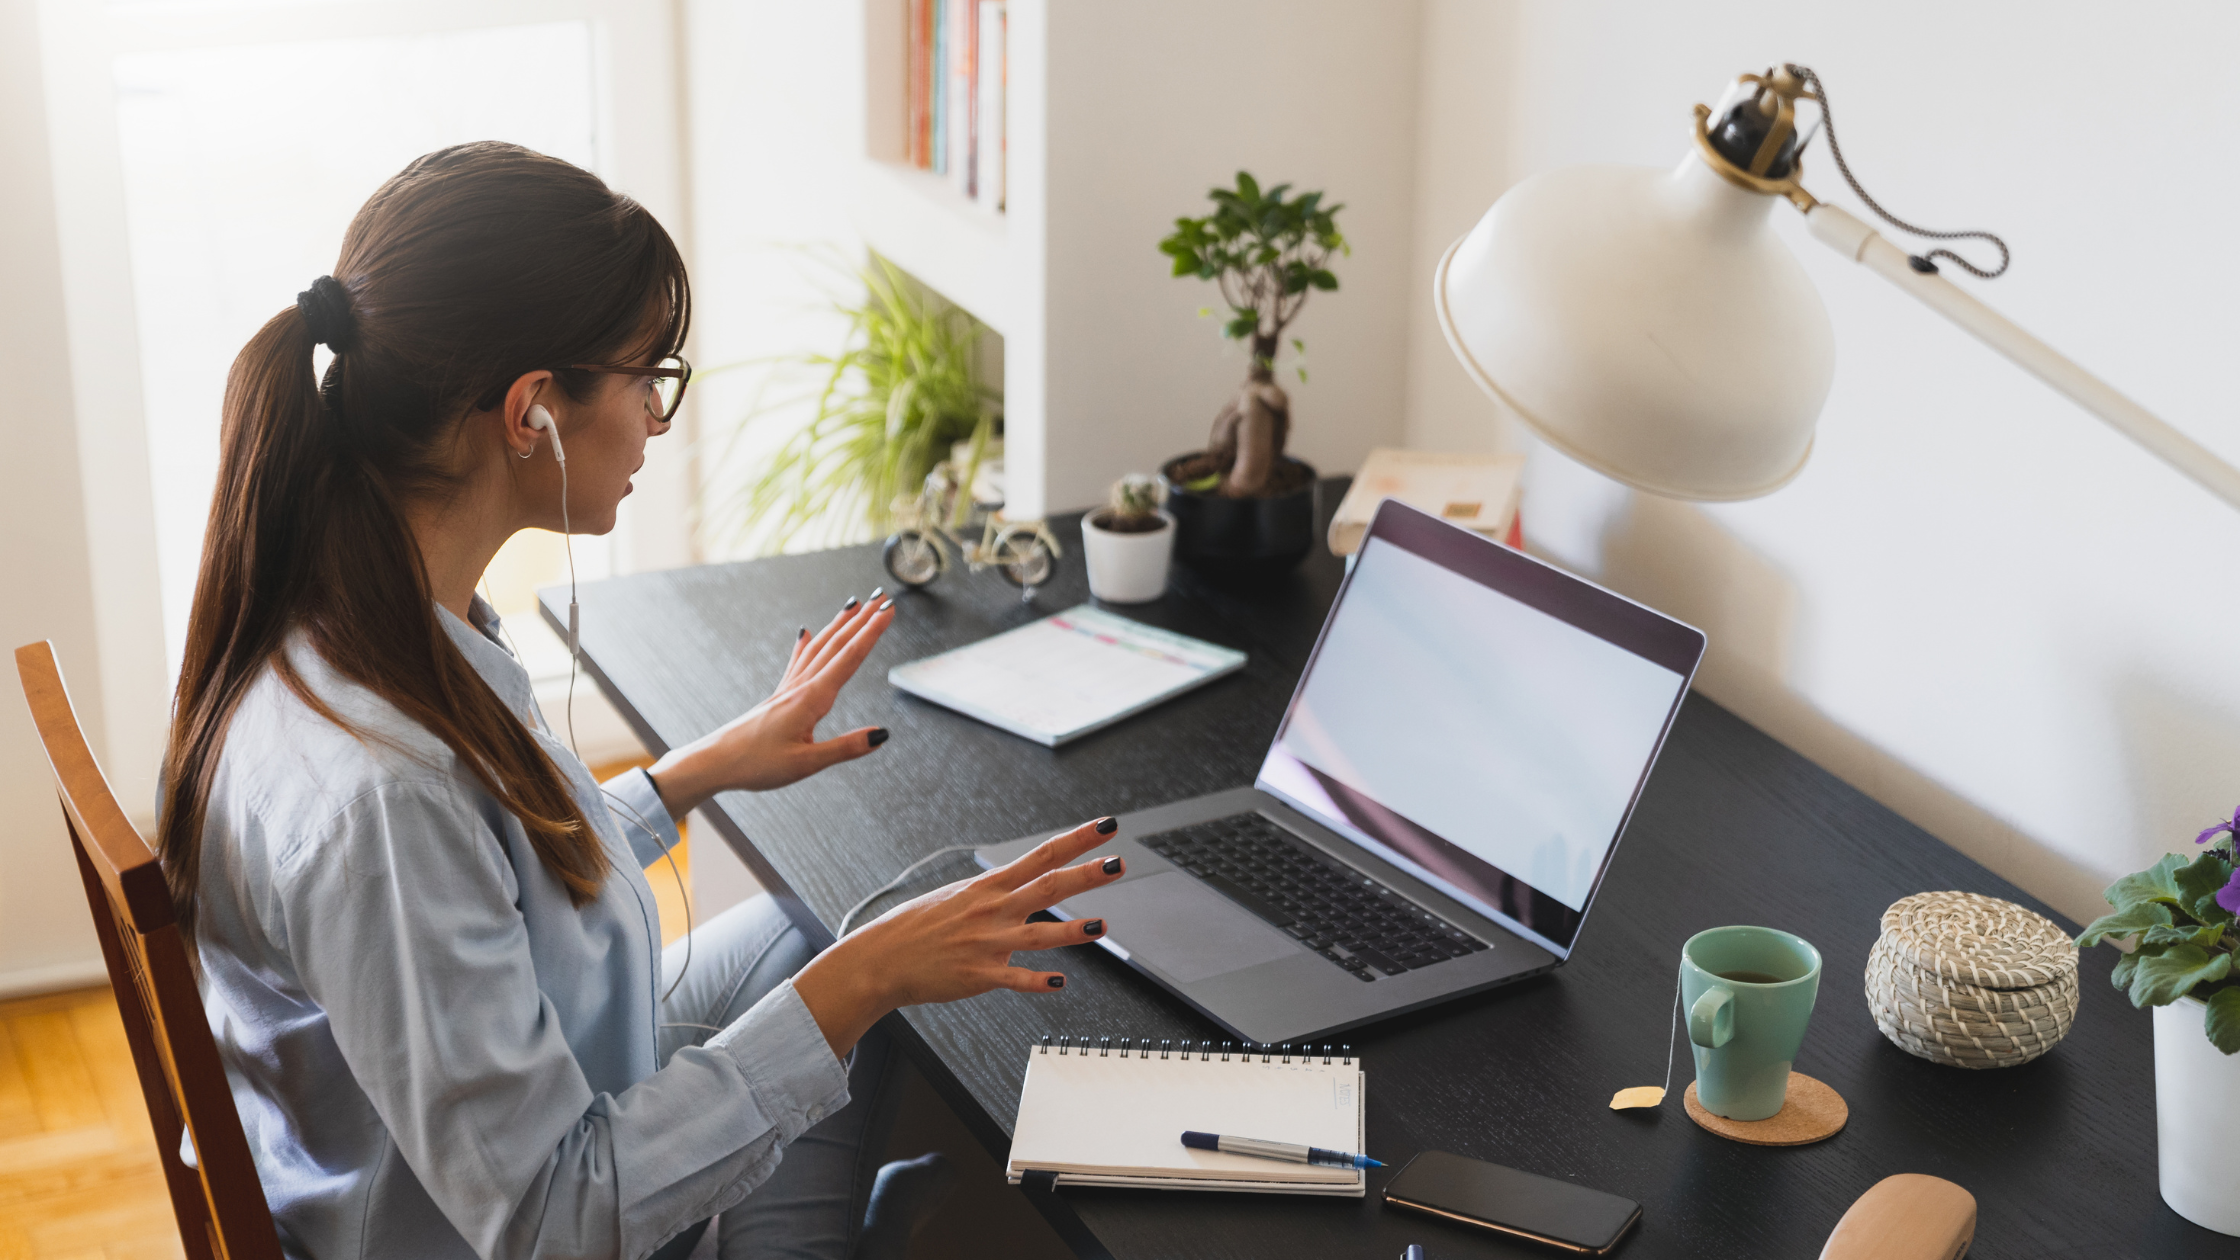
(219, 1201)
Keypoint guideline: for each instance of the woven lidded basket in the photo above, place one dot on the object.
(1971, 981)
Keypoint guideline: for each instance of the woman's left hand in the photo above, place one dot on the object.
(775, 742)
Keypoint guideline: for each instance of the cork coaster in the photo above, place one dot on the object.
(1811, 1112)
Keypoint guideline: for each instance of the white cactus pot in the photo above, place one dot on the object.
(2197, 1110)
(1127, 568)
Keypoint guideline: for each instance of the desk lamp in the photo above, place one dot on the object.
(1651, 326)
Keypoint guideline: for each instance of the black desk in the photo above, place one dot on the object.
(1734, 828)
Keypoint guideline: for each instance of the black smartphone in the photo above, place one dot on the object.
(1521, 1204)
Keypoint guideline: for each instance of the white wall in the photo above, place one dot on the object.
(1151, 104)
(97, 315)
(775, 122)
(46, 934)
(1977, 604)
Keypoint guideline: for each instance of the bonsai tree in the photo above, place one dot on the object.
(1266, 251)
(2182, 916)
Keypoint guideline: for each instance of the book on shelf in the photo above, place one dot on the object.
(957, 69)
(989, 66)
(917, 144)
(939, 86)
(963, 17)
(1474, 491)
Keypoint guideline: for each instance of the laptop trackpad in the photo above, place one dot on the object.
(1182, 927)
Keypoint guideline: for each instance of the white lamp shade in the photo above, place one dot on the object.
(1649, 325)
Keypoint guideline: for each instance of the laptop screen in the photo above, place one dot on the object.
(1482, 719)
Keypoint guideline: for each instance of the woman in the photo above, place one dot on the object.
(429, 953)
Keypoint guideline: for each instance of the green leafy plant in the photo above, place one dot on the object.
(2181, 917)
(1268, 253)
(892, 404)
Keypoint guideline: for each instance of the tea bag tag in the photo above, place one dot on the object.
(1645, 1096)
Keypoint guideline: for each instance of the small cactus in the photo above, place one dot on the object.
(1138, 496)
(1133, 507)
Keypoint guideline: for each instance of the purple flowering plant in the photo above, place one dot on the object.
(2183, 918)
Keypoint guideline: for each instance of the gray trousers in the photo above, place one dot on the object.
(812, 1207)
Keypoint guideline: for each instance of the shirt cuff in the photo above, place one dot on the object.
(636, 806)
(786, 1061)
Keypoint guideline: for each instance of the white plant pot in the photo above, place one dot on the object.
(2197, 1110)
(1128, 568)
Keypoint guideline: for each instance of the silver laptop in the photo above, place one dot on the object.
(1439, 806)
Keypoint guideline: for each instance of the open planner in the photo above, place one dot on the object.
(1113, 1114)
(1066, 675)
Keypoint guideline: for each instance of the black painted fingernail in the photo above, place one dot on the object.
(804, 633)
(1057, 982)
(850, 606)
(1106, 826)
(1112, 865)
(1094, 927)
(878, 736)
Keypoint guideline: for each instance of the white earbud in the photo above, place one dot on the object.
(541, 420)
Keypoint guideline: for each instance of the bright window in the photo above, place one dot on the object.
(243, 165)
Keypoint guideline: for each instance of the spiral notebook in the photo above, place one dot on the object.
(1112, 1113)
(1066, 675)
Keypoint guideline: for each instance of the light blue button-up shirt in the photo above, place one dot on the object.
(436, 1054)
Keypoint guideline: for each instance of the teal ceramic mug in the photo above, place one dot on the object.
(1748, 994)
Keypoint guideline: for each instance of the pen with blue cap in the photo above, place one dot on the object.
(1291, 1152)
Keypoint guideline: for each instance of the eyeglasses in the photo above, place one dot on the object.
(670, 376)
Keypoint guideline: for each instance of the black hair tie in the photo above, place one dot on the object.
(325, 308)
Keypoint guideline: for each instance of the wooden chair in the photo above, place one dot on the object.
(219, 1202)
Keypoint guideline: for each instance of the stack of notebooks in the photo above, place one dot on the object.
(955, 94)
(1113, 1114)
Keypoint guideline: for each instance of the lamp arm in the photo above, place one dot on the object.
(1845, 234)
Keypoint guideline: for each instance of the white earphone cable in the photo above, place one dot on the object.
(896, 882)
(567, 542)
(683, 894)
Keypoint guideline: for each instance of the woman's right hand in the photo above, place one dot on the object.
(956, 942)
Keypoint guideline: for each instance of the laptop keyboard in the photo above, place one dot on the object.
(1348, 918)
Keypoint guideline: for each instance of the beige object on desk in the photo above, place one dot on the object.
(1906, 1217)
(1474, 491)
(1971, 981)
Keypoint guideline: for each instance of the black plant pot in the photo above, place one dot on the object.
(1242, 539)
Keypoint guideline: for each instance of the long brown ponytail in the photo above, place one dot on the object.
(473, 266)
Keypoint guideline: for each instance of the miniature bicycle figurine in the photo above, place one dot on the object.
(926, 527)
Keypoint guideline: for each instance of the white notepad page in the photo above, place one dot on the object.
(1107, 1117)
(1067, 674)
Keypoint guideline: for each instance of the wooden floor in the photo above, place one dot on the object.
(78, 1172)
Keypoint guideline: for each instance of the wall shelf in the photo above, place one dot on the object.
(1113, 128)
(921, 223)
